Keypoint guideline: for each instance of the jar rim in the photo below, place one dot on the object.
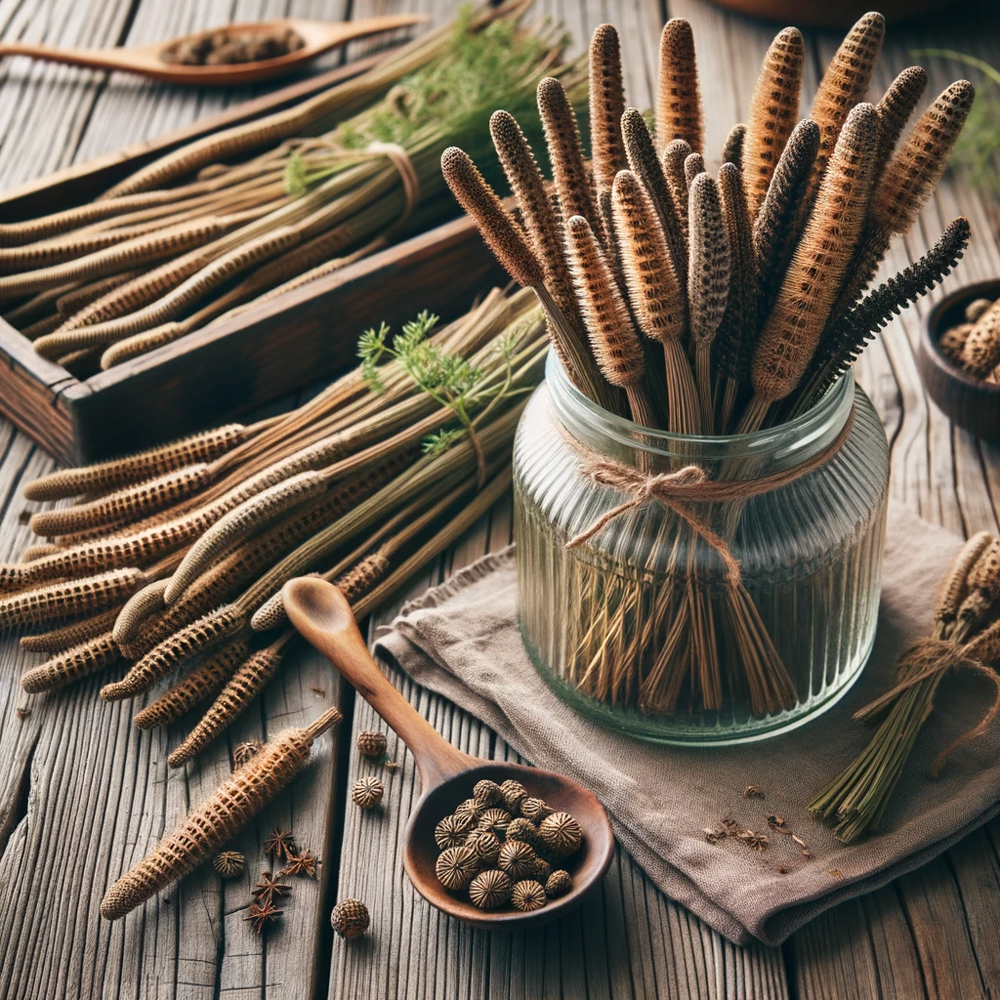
(798, 438)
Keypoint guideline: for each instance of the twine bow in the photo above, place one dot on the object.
(931, 658)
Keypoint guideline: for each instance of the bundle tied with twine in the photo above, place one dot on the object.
(752, 284)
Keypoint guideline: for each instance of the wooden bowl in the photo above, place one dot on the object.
(969, 402)
(830, 13)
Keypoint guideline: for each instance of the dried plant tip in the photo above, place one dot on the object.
(895, 108)
(793, 329)
(774, 110)
(955, 585)
(732, 151)
(137, 609)
(913, 173)
(61, 639)
(33, 552)
(188, 642)
(76, 663)
(202, 683)
(674, 158)
(678, 101)
(241, 689)
(693, 166)
(708, 260)
(66, 600)
(495, 225)
(216, 820)
(136, 468)
(607, 105)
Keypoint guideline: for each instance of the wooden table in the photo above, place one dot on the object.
(83, 794)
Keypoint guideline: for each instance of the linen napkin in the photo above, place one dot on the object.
(462, 640)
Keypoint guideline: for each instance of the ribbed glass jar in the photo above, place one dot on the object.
(640, 627)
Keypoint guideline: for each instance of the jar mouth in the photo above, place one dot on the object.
(794, 441)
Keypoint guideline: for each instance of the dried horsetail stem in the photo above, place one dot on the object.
(137, 468)
(238, 523)
(61, 639)
(674, 158)
(136, 611)
(205, 681)
(774, 109)
(42, 328)
(678, 101)
(231, 806)
(33, 552)
(984, 588)
(955, 585)
(708, 284)
(793, 329)
(607, 105)
(645, 164)
(71, 665)
(694, 164)
(70, 598)
(206, 632)
(239, 691)
(614, 341)
(732, 151)
(774, 234)
(657, 299)
(125, 505)
(143, 343)
(895, 108)
(71, 302)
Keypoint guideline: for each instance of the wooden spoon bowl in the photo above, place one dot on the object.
(447, 775)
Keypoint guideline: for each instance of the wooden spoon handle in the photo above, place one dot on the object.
(89, 58)
(322, 616)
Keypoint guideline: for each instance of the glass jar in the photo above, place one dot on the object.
(641, 627)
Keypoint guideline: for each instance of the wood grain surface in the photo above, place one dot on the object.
(82, 795)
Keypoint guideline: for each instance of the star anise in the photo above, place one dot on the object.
(757, 841)
(300, 864)
(268, 888)
(262, 915)
(281, 843)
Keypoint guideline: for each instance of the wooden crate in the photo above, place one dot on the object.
(233, 365)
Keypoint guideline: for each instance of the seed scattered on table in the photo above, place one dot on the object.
(367, 792)
(229, 864)
(350, 918)
(372, 743)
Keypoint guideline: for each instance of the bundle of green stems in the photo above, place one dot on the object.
(178, 555)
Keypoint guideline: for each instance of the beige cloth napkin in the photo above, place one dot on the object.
(462, 640)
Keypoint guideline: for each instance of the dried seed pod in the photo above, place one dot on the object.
(517, 859)
(952, 342)
(693, 166)
(367, 792)
(844, 85)
(732, 152)
(981, 350)
(216, 820)
(73, 664)
(242, 752)
(125, 505)
(558, 884)
(774, 234)
(576, 195)
(955, 585)
(229, 864)
(528, 895)
(202, 683)
(239, 691)
(543, 869)
(486, 793)
(534, 810)
(895, 108)
(73, 597)
(561, 834)
(350, 918)
(513, 793)
(469, 808)
(678, 101)
(645, 164)
(452, 831)
(774, 110)
(973, 311)
(486, 846)
(495, 225)
(495, 820)
(206, 632)
(137, 609)
(61, 639)
(607, 105)
(523, 829)
(456, 867)
(792, 332)
(912, 174)
(372, 743)
(490, 889)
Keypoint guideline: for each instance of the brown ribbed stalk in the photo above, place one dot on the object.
(732, 151)
(70, 598)
(895, 108)
(693, 165)
(71, 665)
(678, 101)
(674, 158)
(607, 105)
(68, 636)
(774, 109)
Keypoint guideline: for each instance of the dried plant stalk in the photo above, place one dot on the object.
(954, 587)
(68, 599)
(674, 158)
(895, 108)
(678, 100)
(205, 681)
(607, 105)
(34, 552)
(693, 166)
(137, 610)
(72, 665)
(68, 636)
(216, 820)
(774, 109)
(732, 152)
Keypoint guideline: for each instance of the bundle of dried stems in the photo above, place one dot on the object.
(252, 210)
(753, 283)
(179, 554)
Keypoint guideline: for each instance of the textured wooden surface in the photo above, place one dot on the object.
(82, 795)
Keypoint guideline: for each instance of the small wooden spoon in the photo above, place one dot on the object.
(148, 60)
(321, 614)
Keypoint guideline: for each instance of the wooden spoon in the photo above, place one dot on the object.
(148, 60)
(321, 614)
